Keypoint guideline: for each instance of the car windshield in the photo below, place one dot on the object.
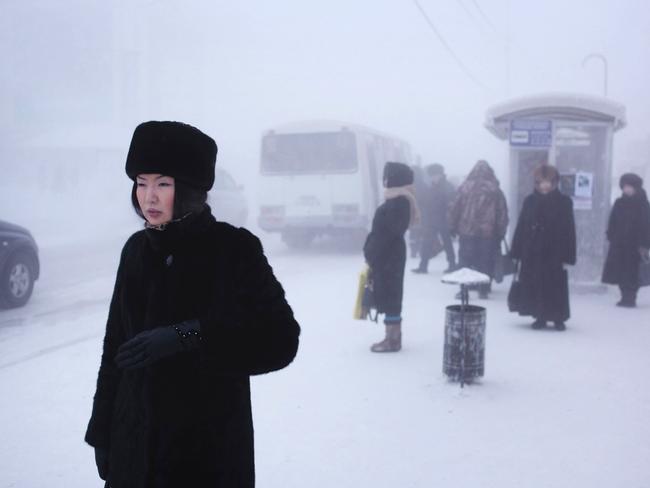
(325, 152)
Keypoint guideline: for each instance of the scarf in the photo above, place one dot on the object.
(407, 191)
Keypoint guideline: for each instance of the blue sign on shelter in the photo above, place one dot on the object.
(527, 132)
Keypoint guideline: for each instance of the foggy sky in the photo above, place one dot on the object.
(237, 68)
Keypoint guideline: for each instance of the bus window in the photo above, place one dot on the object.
(326, 152)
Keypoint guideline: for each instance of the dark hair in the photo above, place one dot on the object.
(187, 199)
(548, 173)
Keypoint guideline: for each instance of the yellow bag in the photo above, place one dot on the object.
(359, 312)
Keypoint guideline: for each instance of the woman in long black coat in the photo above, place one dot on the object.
(195, 311)
(544, 241)
(628, 233)
(385, 250)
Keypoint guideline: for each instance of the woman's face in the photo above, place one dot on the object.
(545, 186)
(155, 194)
(629, 190)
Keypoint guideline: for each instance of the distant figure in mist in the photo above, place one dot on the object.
(628, 233)
(436, 198)
(479, 216)
(544, 241)
(415, 231)
(385, 250)
(195, 311)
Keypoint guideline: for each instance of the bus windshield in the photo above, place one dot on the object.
(325, 152)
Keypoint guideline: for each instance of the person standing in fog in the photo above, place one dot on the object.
(437, 195)
(385, 250)
(195, 311)
(544, 241)
(628, 233)
(416, 231)
(479, 216)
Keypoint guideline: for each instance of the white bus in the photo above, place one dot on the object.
(323, 178)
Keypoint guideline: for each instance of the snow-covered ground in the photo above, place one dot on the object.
(555, 410)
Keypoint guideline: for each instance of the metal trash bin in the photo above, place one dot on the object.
(464, 357)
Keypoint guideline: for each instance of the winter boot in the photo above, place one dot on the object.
(559, 325)
(539, 324)
(392, 341)
(628, 299)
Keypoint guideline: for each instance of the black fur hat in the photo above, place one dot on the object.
(397, 174)
(631, 179)
(173, 149)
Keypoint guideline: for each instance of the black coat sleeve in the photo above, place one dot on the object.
(517, 246)
(390, 223)
(262, 336)
(569, 231)
(613, 220)
(398, 217)
(644, 236)
(99, 426)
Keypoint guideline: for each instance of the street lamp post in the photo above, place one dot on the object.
(605, 67)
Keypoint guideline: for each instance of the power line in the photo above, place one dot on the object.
(485, 17)
(447, 47)
(467, 10)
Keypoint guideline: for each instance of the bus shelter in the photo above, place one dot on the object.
(573, 132)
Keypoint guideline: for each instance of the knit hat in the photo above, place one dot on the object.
(173, 149)
(397, 174)
(631, 179)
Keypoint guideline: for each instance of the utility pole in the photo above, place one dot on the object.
(507, 48)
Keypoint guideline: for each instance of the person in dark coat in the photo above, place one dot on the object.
(479, 216)
(195, 311)
(385, 250)
(436, 198)
(544, 241)
(628, 233)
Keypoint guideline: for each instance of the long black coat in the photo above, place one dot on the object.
(186, 420)
(385, 253)
(628, 230)
(544, 241)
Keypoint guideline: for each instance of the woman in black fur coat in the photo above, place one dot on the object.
(195, 311)
(385, 250)
(628, 233)
(544, 241)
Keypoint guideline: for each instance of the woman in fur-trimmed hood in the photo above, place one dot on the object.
(385, 250)
(628, 233)
(478, 214)
(195, 311)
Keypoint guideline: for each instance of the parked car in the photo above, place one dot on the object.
(227, 199)
(19, 265)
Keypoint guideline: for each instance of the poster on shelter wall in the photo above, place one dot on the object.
(580, 187)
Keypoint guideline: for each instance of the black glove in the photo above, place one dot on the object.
(151, 345)
(101, 459)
